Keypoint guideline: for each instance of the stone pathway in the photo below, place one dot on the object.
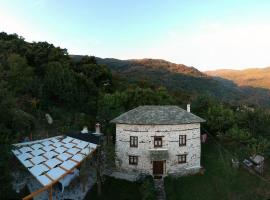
(159, 189)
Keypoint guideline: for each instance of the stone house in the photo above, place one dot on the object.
(158, 140)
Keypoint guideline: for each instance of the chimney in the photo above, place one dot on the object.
(97, 128)
(85, 130)
(188, 107)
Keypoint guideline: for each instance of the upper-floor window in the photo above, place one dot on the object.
(182, 140)
(182, 158)
(133, 141)
(157, 141)
(133, 160)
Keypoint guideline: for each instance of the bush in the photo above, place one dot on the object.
(259, 145)
(147, 189)
(238, 134)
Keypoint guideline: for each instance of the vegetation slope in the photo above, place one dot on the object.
(178, 77)
(254, 77)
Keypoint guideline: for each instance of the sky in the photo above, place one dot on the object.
(208, 34)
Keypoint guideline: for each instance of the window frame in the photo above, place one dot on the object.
(182, 158)
(133, 160)
(159, 141)
(133, 141)
(182, 140)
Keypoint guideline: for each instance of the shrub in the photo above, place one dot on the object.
(147, 189)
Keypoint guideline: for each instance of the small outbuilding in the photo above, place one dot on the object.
(258, 161)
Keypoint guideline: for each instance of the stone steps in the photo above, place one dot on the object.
(159, 189)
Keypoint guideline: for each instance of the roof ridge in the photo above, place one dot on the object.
(157, 114)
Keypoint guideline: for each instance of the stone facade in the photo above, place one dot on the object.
(169, 151)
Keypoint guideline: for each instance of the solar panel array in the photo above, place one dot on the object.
(51, 158)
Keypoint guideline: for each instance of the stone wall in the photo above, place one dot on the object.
(170, 139)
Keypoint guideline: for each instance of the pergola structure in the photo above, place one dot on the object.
(51, 159)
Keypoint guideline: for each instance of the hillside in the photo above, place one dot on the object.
(178, 77)
(254, 77)
(133, 65)
(161, 72)
(175, 77)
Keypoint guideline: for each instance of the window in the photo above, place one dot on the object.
(133, 141)
(133, 160)
(157, 141)
(182, 158)
(182, 140)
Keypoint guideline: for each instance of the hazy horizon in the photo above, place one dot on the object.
(208, 36)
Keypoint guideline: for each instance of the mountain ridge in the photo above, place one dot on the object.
(253, 77)
(181, 78)
(161, 64)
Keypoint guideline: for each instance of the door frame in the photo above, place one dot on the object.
(163, 167)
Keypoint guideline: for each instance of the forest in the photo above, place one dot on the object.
(38, 78)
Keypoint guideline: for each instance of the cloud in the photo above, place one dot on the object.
(39, 3)
(211, 46)
(82, 46)
(12, 24)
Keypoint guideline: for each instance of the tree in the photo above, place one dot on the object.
(112, 105)
(5, 178)
(219, 119)
(109, 107)
(19, 74)
(40, 54)
(88, 68)
(258, 145)
(257, 121)
(202, 103)
(7, 136)
(147, 189)
(59, 83)
(138, 96)
(238, 134)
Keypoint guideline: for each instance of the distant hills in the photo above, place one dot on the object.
(133, 65)
(254, 77)
(181, 78)
(175, 77)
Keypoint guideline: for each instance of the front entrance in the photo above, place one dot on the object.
(158, 167)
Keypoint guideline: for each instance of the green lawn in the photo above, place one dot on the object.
(220, 180)
(115, 189)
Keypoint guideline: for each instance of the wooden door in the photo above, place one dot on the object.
(157, 167)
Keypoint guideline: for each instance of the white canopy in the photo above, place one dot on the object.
(258, 159)
(51, 159)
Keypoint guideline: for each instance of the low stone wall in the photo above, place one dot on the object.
(186, 172)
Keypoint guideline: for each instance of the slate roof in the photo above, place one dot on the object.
(157, 115)
(88, 137)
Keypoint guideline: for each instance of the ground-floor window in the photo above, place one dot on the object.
(133, 160)
(182, 158)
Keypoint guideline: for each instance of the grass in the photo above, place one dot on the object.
(220, 180)
(115, 189)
